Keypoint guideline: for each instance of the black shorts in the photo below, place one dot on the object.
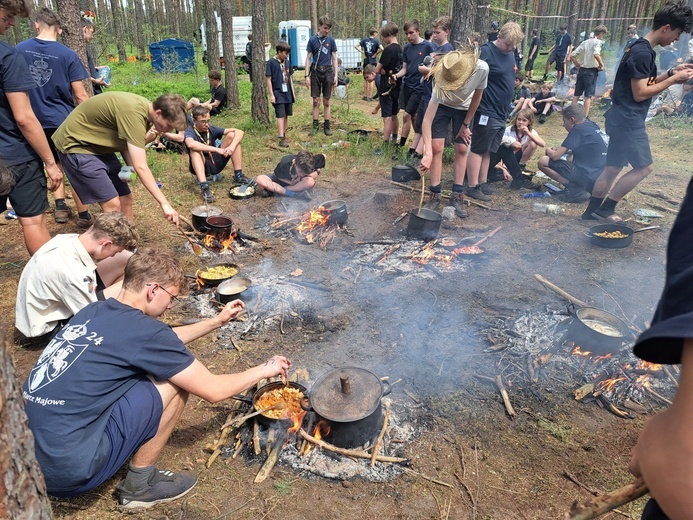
(566, 170)
(529, 65)
(389, 105)
(412, 98)
(49, 135)
(488, 137)
(560, 63)
(627, 147)
(441, 122)
(420, 113)
(213, 165)
(321, 82)
(283, 110)
(369, 61)
(29, 195)
(586, 82)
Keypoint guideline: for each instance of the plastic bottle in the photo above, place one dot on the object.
(552, 209)
(340, 144)
(127, 174)
(536, 195)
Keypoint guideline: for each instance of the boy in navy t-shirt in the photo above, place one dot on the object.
(637, 82)
(321, 71)
(586, 149)
(278, 72)
(370, 48)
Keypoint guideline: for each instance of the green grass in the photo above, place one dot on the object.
(562, 433)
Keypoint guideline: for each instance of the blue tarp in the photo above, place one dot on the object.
(172, 55)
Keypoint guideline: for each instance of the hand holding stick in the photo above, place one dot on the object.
(596, 506)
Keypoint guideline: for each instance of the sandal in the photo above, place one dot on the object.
(611, 219)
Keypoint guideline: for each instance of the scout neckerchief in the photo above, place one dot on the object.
(285, 72)
(204, 141)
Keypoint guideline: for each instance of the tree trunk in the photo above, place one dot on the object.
(377, 16)
(259, 109)
(22, 489)
(387, 12)
(572, 22)
(314, 16)
(117, 12)
(73, 36)
(482, 18)
(462, 19)
(231, 79)
(212, 35)
(139, 30)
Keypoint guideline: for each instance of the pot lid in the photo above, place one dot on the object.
(346, 394)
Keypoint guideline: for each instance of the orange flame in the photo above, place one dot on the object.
(646, 365)
(606, 385)
(314, 218)
(643, 380)
(297, 419)
(577, 351)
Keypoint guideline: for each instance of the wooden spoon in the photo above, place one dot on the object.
(197, 248)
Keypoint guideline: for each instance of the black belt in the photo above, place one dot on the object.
(323, 68)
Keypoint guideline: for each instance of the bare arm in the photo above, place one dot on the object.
(137, 157)
(33, 132)
(555, 153)
(198, 380)
(235, 140)
(426, 135)
(268, 81)
(79, 92)
(642, 91)
(188, 333)
(335, 67)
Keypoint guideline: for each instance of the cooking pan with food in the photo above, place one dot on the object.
(215, 274)
(229, 290)
(613, 236)
(596, 330)
(270, 394)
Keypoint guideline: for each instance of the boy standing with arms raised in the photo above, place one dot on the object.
(636, 83)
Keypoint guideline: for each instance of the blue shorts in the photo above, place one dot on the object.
(134, 420)
(29, 195)
(488, 137)
(94, 177)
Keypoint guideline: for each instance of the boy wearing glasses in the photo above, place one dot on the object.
(210, 148)
(122, 379)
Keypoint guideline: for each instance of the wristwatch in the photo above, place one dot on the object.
(670, 72)
(466, 125)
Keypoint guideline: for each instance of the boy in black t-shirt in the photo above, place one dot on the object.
(388, 88)
(294, 176)
(636, 83)
(585, 148)
(532, 54)
(370, 48)
(542, 101)
(278, 72)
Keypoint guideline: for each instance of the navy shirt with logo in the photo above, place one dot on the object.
(280, 74)
(563, 41)
(369, 46)
(321, 50)
(586, 141)
(413, 55)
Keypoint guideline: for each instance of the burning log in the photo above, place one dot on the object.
(388, 253)
(583, 391)
(612, 407)
(594, 507)
(309, 422)
(359, 454)
(272, 458)
(376, 447)
(498, 381)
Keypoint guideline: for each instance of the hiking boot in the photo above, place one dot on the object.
(163, 486)
(315, 129)
(487, 189)
(542, 119)
(207, 195)
(457, 202)
(326, 128)
(574, 195)
(85, 223)
(266, 194)
(239, 178)
(62, 216)
(524, 182)
(283, 142)
(366, 98)
(477, 194)
(433, 202)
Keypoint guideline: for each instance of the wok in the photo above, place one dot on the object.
(268, 388)
(213, 282)
(614, 243)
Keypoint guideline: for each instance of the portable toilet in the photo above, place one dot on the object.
(299, 32)
(283, 32)
(172, 55)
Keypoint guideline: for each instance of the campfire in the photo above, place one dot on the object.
(317, 226)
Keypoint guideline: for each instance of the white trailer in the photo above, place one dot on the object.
(242, 27)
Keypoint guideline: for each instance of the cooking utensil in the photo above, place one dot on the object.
(218, 223)
(560, 292)
(614, 243)
(268, 388)
(405, 173)
(200, 214)
(197, 248)
(245, 187)
(336, 211)
(596, 330)
(474, 250)
(229, 290)
(351, 399)
(213, 282)
(238, 421)
(424, 224)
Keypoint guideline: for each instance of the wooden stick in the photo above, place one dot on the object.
(359, 454)
(470, 202)
(560, 291)
(356, 278)
(423, 191)
(281, 321)
(280, 223)
(256, 437)
(498, 381)
(567, 474)
(670, 376)
(186, 221)
(655, 394)
(411, 396)
(272, 459)
(417, 190)
(603, 504)
(225, 432)
(416, 473)
(388, 253)
(478, 243)
(376, 447)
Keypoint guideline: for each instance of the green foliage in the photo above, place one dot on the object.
(562, 433)
(283, 486)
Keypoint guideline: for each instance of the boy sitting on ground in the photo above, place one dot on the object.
(521, 97)
(541, 102)
(294, 176)
(585, 147)
(210, 148)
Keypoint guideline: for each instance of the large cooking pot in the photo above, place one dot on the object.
(199, 215)
(424, 224)
(614, 243)
(218, 223)
(229, 290)
(350, 398)
(336, 211)
(405, 173)
(263, 390)
(596, 330)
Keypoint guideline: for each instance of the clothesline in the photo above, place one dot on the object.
(563, 17)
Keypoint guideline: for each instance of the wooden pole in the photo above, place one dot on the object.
(596, 506)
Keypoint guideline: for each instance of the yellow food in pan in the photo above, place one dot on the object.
(219, 272)
(290, 399)
(610, 234)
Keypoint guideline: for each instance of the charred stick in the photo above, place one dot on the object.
(256, 437)
(280, 223)
(272, 458)
(376, 447)
(356, 278)
(412, 396)
(498, 381)
(309, 422)
(359, 454)
(234, 344)
(399, 219)
(612, 407)
(225, 432)
(281, 321)
(426, 477)
(388, 253)
(567, 474)
(670, 376)
(608, 502)
(271, 434)
(655, 394)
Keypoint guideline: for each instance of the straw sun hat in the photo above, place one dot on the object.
(454, 69)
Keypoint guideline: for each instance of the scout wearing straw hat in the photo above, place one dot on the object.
(459, 79)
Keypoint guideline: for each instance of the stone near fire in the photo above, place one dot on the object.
(387, 197)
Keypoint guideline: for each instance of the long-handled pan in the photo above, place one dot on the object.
(614, 236)
(474, 250)
(268, 388)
